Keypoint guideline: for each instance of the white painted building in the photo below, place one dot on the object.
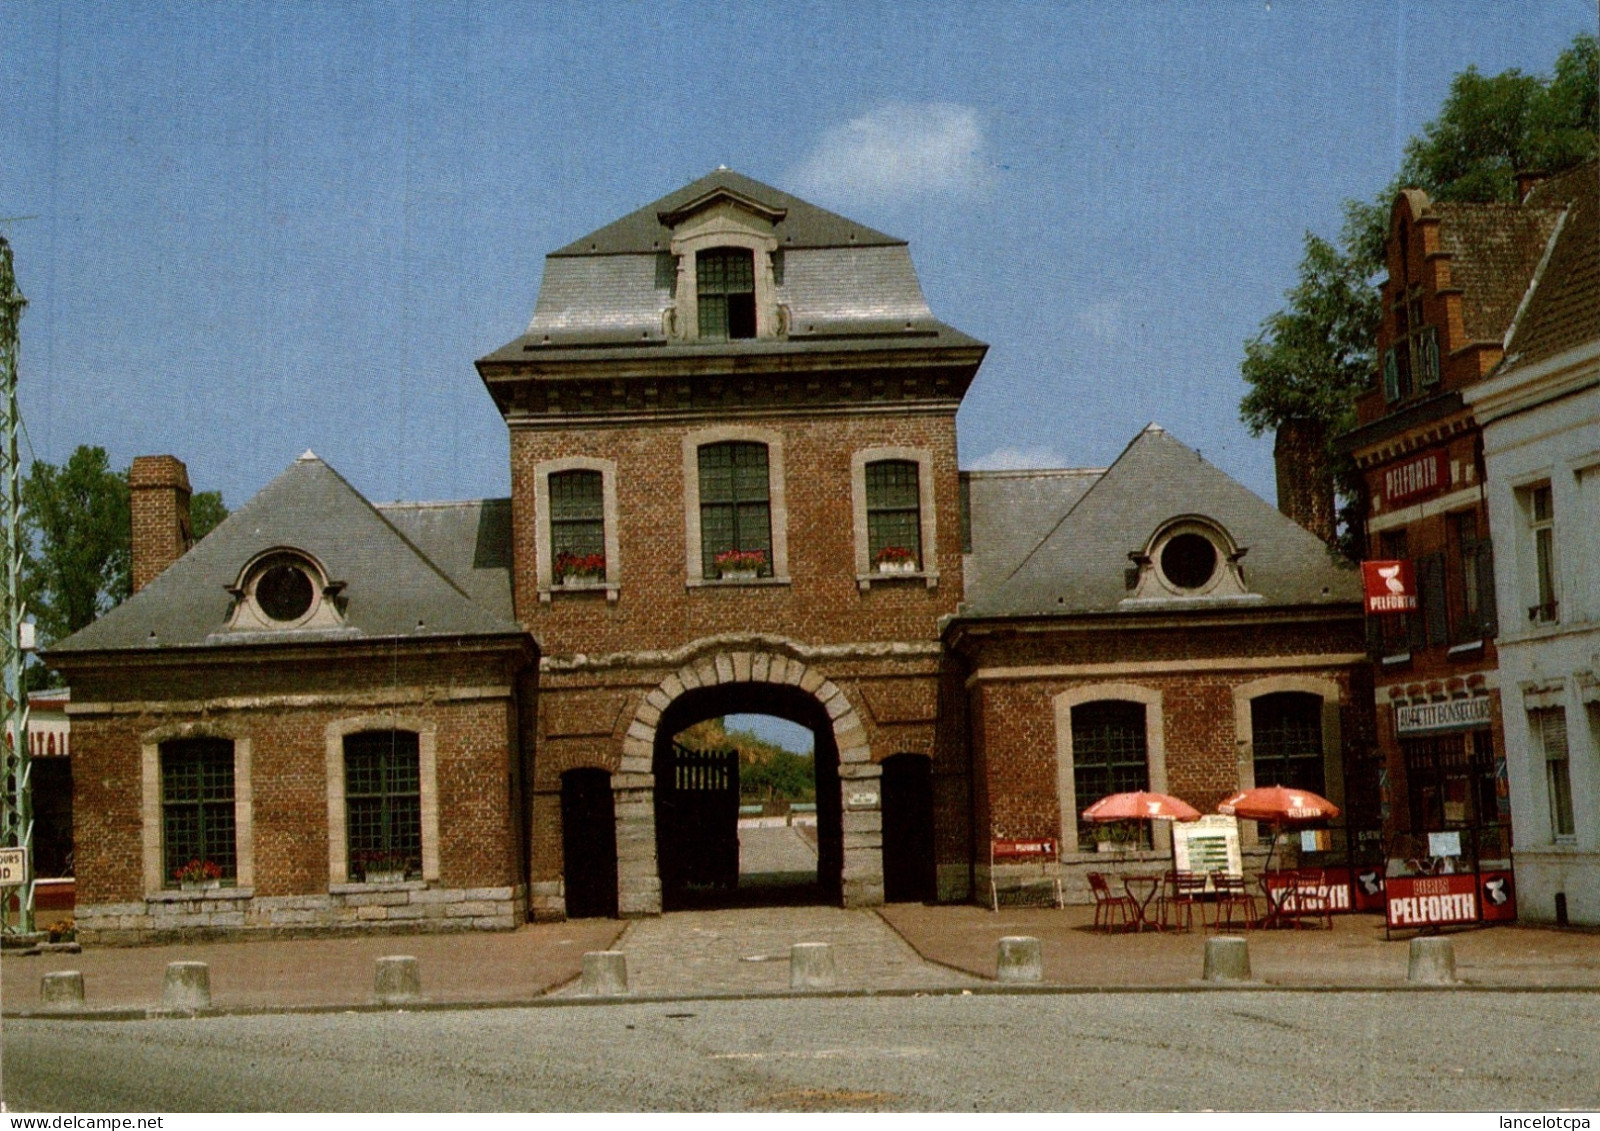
(1540, 413)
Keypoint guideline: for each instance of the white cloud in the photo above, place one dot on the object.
(898, 151)
(1018, 459)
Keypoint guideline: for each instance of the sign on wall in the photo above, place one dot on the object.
(13, 867)
(1413, 479)
(1454, 714)
(1391, 586)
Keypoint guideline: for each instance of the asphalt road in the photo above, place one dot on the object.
(1495, 1052)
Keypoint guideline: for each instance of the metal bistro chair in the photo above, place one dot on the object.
(1310, 898)
(1181, 892)
(1108, 906)
(1232, 893)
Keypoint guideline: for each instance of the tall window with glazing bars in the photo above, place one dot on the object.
(197, 815)
(725, 293)
(894, 512)
(577, 525)
(735, 506)
(1286, 730)
(383, 802)
(1109, 754)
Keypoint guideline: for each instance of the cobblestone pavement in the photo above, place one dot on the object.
(746, 950)
(774, 849)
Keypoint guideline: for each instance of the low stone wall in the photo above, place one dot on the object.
(346, 909)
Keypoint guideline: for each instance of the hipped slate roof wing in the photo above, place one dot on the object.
(391, 588)
(803, 225)
(1080, 566)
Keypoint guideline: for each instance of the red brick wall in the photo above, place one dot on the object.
(655, 609)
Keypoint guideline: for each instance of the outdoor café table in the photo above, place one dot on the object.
(1142, 890)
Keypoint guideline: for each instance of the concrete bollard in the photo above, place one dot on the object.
(1021, 959)
(605, 973)
(1227, 959)
(62, 990)
(810, 966)
(187, 986)
(1433, 962)
(397, 980)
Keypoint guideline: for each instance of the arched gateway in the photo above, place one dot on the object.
(769, 681)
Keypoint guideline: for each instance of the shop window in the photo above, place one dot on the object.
(894, 513)
(726, 293)
(197, 810)
(1451, 780)
(383, 803)
(735, 510)
(1109, 755)
(1549, 729)
(577, 526)
(1286, 730)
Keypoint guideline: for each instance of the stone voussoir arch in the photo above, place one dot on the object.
(715, 665)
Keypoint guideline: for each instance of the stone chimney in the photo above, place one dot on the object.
(159, 490)
(1527, 181)
(1305, 485)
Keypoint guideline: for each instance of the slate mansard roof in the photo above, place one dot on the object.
(409, 570)
(1078, 529)
(846, 286)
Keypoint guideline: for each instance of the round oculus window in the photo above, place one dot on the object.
(1189, 560)
(284, 592)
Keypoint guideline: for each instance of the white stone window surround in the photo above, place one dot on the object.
(543, 540)
(1155, 745)
(1525, 564)
(428, 781)
(249, 616)
(1227, 575)
(927, 515)
(1332, 735)
(150, 801)
(777, 502)
(724, 224)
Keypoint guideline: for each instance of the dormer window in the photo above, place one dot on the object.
(284, 589)
(1188, 558)
(726, 293)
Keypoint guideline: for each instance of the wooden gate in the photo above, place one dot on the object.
(697, 819)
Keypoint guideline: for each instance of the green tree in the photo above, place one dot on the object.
(1310, 360)
(77, 534)
(77, 561)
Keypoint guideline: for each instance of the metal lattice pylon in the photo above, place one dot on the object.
(16, 793)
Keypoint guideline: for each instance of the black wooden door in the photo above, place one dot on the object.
(589, 844)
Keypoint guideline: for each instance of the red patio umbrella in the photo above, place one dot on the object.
(1278, 806)
(1141, 806)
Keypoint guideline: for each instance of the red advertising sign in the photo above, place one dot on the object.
(1043, 848)
(1391, 587)
(1335, 889)
(1431, 901)
(1366, 893)
(1417, 476)
(1497, 897)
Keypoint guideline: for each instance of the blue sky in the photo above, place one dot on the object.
(261, 228)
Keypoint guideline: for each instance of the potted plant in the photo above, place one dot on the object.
(741, 565)
(199, 875)
(383, 867)
(579, 569)
(63, 931)
(895, 559)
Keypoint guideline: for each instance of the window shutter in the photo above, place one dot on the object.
(1553, 733)
(1391, 376)
(1486, 607)
(1434, 611)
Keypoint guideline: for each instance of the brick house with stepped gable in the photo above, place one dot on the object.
(734, 490)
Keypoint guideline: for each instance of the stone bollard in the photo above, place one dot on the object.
(1021, 959)
(187, 986)
(1227, 959)
(62, 990)
(605, 973)
(810, 966)
(1433, 962)
(397, 980)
